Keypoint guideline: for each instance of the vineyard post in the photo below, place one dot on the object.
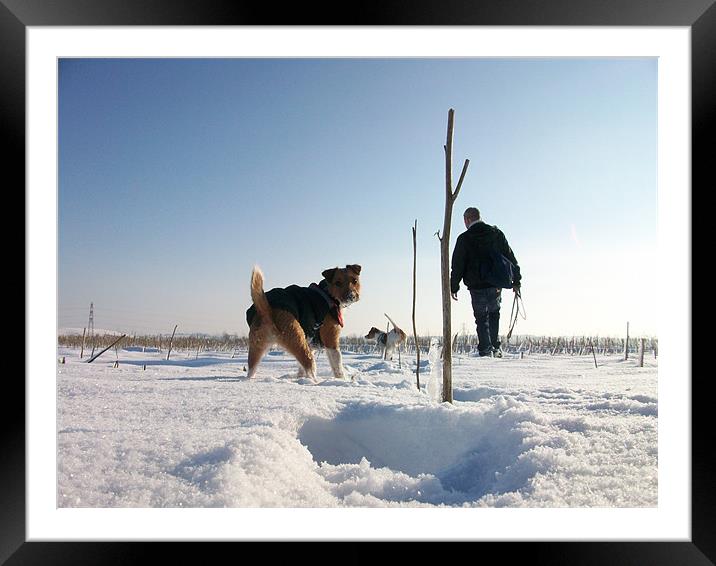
(626, 344)
(415, 332)
(641, 353)
(593, 354)
(169, 351)
(82, 351)
(93, 358)
(450, 197)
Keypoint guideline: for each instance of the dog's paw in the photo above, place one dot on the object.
(350, 373)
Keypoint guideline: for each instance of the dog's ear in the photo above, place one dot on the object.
(329, 273)
(355, 268)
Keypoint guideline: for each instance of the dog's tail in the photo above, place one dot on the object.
(403, 335)
(391, 322)
(258, 296)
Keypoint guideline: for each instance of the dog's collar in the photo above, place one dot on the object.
(332, 303)
(320, 289)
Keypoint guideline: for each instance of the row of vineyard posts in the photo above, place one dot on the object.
(461, 344)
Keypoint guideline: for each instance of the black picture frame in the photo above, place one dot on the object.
(699, 15)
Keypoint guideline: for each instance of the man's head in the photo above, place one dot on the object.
(470, 215)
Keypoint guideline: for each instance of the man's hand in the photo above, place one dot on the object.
(516, 290)
(454, 296)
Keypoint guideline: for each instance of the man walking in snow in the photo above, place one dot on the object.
(472, 260)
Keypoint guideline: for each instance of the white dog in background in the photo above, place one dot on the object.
(389, 340)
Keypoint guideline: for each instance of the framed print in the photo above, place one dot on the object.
(83, 84)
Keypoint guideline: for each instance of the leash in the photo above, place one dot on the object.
(515, 312)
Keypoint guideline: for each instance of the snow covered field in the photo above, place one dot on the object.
(543, 431)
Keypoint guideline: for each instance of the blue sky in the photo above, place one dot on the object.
(176, 176)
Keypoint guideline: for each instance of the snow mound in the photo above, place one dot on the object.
(409, 441)
(264, 467)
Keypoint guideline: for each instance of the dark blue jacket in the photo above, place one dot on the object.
(472, 247)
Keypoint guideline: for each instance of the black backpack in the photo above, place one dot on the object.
(497, 270)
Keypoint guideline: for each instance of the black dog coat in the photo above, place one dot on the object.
(310, 305)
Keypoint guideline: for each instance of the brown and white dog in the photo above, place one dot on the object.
(295, 317)
(391, 340)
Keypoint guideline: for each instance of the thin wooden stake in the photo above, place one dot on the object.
(93, 358)
(593, 354)
(641, 353)
(415, 332)
(170, 342)
(82, 350)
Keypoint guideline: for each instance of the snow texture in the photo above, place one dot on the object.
(542, 431)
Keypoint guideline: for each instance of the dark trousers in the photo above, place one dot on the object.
(486, 308)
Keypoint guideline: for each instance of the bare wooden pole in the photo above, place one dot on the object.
(450, 197)
(93, 358)
(82, 350)
(641, 353)
(593, 354)
(626, 344)
(415, 332)
(170, 341)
